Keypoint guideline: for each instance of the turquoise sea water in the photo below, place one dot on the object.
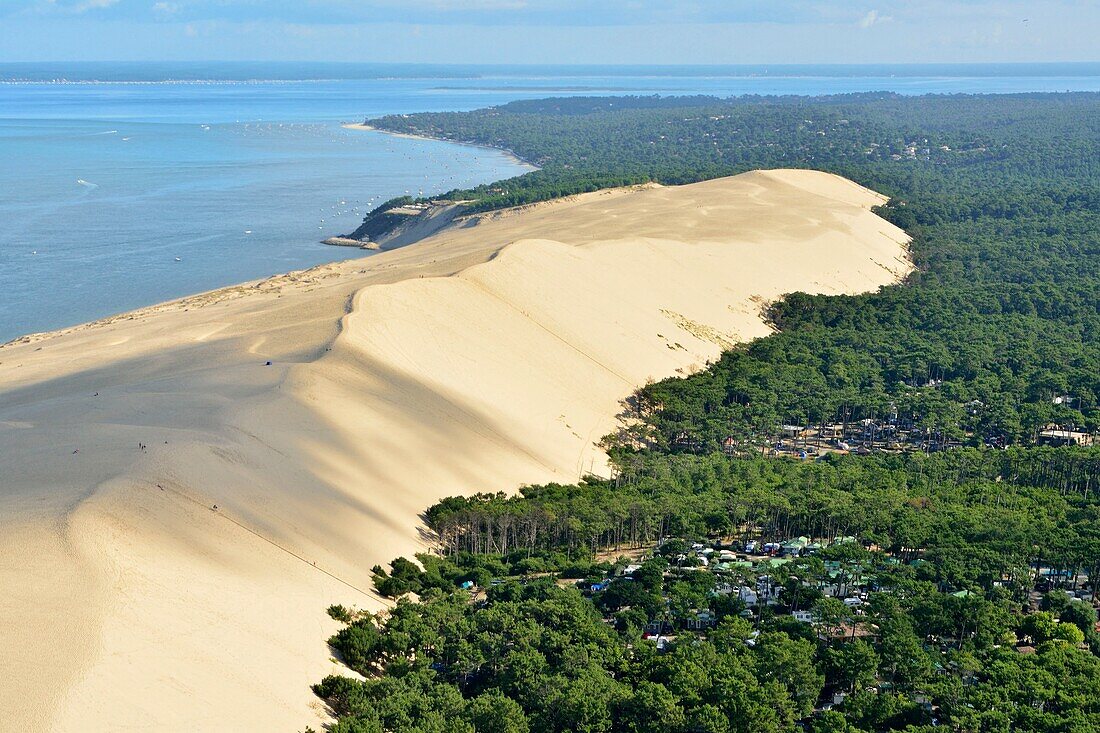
(122, 185)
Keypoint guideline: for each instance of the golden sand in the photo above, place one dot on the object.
(488, 356)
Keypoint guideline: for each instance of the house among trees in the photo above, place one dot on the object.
(658, 627)
(1054, 435)
(701, 621)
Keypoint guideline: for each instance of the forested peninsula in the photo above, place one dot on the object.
(882, 517)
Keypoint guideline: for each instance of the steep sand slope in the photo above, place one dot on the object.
(480, 359)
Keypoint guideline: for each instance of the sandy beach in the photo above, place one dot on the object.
(185, 489)
(370, 128)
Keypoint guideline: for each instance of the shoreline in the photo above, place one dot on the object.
(274, 283)
(515, 157)
(223, 474)
(131, 312)
(203, 298)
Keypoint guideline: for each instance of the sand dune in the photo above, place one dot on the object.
(486, 357)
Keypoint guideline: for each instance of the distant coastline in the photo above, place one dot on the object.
(262, 72)
(512, 155)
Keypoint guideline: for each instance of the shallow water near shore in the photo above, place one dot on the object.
(115, 198)
(123, 185)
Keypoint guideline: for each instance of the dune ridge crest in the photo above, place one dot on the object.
(490, 355)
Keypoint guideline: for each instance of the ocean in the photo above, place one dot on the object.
(123, 185)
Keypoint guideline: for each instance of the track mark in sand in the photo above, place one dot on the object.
(212, 329)
(341, 322)
(257, 439)
(16, 424)
(531, 319)
(888, 269)
(700, 331)
(257, 344)
(220, 513)
(485, 428)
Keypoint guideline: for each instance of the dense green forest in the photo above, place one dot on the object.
(953, 548)
(538, 657)
(996, 336)
(987, 515)
(967, 560)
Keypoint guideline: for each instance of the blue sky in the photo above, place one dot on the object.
(553, 31)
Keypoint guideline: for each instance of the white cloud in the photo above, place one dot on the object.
(93, 5)
(871, 18)
(479, 4)
(165, 10)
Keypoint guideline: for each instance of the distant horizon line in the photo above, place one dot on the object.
(220, 71)
(528, 64)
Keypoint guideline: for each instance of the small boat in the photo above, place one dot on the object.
(178, 260)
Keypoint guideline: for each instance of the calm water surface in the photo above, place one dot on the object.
(130, 184)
